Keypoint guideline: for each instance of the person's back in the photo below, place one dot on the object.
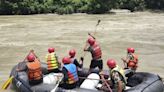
(34, 72)
(96, 53)
(70, 74)
(116, 80)
(52, 61)
(33, 68)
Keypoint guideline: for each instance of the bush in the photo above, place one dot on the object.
(75, 6)
(133, 5)
(154, 4)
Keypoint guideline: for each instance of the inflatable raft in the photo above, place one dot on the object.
(139, 82)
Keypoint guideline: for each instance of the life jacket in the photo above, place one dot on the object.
(52, 61)
(72, 73)
(133, 61)
(34, 70)
(96, 53)
(121, 72)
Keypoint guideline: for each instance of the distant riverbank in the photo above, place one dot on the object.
(26, 7)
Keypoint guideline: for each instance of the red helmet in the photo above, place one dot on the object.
(130, 50)
(111, 63)
(50, 50)
(131, 64)
(31, 57)
(72, 53)
(66, 60)
(91, 41)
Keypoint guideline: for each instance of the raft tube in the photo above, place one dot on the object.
(145, 82)
(139, 82)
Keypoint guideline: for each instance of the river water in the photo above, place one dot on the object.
(142, 30)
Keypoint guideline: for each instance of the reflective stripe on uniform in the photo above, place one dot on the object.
(96, 54)
(51, 61)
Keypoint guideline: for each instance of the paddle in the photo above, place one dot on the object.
(90, 78)
(106, 82)
(58, 82)
(9, 80)
(98, 22)
(103, 80)
(7, 83)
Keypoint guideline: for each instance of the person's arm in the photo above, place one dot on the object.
(126, 60)
(64, 71)
(120, 86)
(117, 78)
(86, 48)
(77, 63)
(105, 83)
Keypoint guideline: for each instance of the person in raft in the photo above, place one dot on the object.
(73, 59)
(116, 81)
(69, 71)
(95, 50)
(52, 61)
(33, 68)
(131, 62)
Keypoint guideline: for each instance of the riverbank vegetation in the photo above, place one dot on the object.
(75, 6)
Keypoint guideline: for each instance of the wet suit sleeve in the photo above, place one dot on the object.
(88, 49)
(77, 63)
(64, 71)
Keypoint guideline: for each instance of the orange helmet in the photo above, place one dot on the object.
(66, 60)
(130, 50)
(31, 57)
(111, 63)
(91, 41)
(50, 50)
(72, 53)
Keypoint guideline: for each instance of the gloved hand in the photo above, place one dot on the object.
(82, 58)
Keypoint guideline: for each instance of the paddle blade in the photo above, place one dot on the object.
(7, 83)
(98, 22)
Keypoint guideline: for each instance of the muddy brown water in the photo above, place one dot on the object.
(142, 30)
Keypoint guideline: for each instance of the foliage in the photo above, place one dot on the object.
(154, 4)
(75, 6)
(133, 5)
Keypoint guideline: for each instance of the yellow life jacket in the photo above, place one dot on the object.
(120, 71)
(52, 62)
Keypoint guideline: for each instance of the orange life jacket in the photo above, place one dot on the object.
(34, 70)
(96, 54)
(52, 61)
(133, 62)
